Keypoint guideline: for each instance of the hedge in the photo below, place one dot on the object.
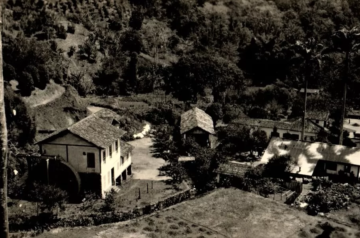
(37, 223)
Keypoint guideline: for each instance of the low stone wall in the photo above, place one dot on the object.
(92, 219)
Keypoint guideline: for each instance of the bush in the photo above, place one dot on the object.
(61, 32)
(49, 197)
(71, 51)
(109, 203)
(71, 28)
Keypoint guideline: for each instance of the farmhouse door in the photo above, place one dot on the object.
(112, 177)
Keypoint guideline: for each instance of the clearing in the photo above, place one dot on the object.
(222, 213)
(145, 166)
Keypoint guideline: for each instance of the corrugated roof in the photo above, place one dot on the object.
(92, 129)
(232, 168)
(196, 118)
(306, 154)
(284, 125)
(125, 148)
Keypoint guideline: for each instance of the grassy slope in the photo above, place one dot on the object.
(223, 213)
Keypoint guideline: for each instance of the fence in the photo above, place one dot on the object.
(91, 219)
(294, 186)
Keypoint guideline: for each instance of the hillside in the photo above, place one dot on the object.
(59, 113)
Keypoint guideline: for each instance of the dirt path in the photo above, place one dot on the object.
(145, 166)
(41, 97)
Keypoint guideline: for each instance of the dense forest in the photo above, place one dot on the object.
(189, 49)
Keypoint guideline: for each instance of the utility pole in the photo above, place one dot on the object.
(4, 230)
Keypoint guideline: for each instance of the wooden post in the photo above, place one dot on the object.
(139, 194)
(47, 170)
(147, 187)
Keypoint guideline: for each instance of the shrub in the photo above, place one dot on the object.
(174, 227)
(148, 228)
(71, 51)
(61, 32)
(109, 203)
(49, 197)
(71, 28)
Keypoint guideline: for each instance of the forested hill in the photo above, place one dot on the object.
(122, 47)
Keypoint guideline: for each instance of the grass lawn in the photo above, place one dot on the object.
(223, 213)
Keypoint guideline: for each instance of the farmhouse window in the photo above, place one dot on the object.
(122, 160)
(110, 150)
(104, 156)
(331, 166)
(116, 146)
(90, 160)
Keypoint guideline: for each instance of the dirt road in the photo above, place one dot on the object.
(145, 166)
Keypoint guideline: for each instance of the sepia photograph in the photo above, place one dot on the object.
(180, 118)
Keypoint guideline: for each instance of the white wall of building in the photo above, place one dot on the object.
(112, 162)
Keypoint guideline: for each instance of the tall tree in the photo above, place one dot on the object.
(309, 53)
(4, 230)
(347, 42)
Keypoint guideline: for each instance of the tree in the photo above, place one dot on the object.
(4, 229)
(260, 140)
(215, 110)
(48, 196)
(278, 166)
(136, 20)
(347, 42)
(309, 52)
(131, 41)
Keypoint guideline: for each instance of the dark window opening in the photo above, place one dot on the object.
(84, 153)
(331, 166)
(90, 160)
(104, 155)
(347, 168)
(116, 145)
(110, 150)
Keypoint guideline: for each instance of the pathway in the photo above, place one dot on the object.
(145, 166)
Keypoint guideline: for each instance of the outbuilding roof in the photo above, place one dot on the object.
(196, 118)
(233, 169)
(306, 154)
(309, 90)
(318, 115)
(284, 125)
(92, 129)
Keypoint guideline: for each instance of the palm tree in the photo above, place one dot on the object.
(4, 230)
(345, 41)
(309, 54)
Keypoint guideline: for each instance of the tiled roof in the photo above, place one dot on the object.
(284, 125)
(125, 148)
(317, 115)
(306, 154)
(196, 118)
(233, 168)
(92, 129)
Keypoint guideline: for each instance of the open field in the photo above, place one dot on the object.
(223, 213)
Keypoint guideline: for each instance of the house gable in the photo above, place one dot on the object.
(67, 138)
